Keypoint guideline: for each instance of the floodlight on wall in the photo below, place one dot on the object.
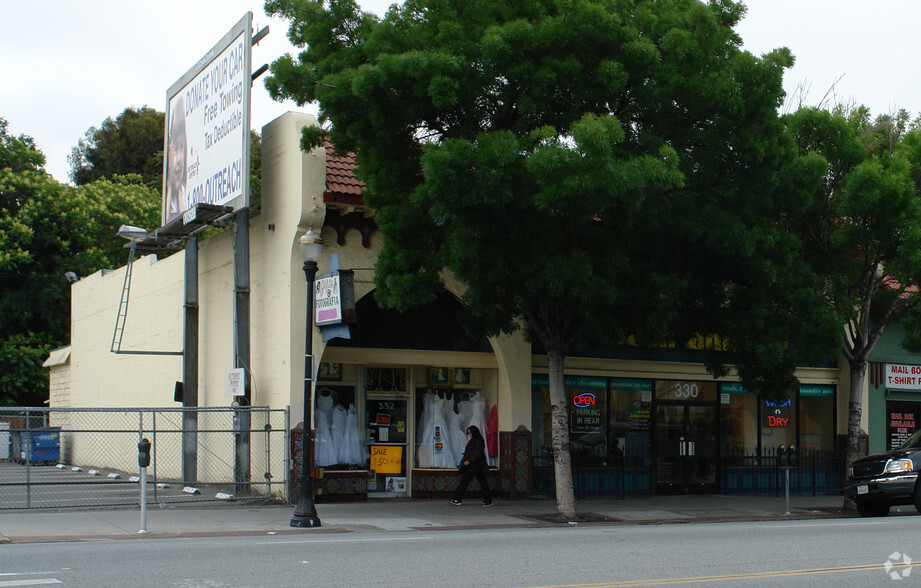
(132, 233)
(71, 277)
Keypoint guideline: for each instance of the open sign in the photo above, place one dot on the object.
(583, 400)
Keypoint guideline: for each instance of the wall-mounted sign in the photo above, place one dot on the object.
(235, 384)
(903, 377)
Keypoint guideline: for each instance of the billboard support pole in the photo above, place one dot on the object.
(190, 365)
(241, 351)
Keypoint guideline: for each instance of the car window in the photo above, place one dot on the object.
(912, 442)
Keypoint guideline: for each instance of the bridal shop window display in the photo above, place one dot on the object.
(336, 440)
(444, 410)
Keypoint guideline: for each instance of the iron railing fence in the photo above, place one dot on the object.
(86, 457)
(742, 473)
(620, 476)
(812, 471)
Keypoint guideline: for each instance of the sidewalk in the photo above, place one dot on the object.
(403, 515)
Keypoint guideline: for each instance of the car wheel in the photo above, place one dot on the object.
(870, 509)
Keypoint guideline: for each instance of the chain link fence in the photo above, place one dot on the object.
(88, 457)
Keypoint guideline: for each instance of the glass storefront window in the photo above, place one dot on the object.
(587, 399)
(817, 418)
(337, 444)
(629, 418)
(778, 425)
(738, 428)
(452, 400)
(608, 417)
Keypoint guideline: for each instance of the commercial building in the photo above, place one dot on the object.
(393, 399)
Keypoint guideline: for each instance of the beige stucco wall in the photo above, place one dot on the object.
(291, 200)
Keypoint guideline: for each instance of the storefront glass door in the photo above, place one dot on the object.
(386, 424)
(686, 448)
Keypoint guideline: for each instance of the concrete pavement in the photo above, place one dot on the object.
(402, 515)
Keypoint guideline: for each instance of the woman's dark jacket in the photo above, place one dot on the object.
(475, 453)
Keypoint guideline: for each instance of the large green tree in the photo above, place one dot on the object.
(47, 229)
(131, 143)
(862, 229)
(583, 166)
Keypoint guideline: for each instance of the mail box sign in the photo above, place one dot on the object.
(903, 377)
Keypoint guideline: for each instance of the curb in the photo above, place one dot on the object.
(527, 522)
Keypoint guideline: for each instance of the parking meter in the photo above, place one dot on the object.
(782, 455)
(791, 455)
(144, 453)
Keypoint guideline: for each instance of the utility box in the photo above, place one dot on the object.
(4, 440)
(41, 445)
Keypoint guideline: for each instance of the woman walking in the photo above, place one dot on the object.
(473, 464)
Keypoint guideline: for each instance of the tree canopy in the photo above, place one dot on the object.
(46, 229)
(131, 143)
(584, 167)
(862, 228)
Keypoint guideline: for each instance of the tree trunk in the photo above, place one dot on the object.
(559, 421)
(855, 409)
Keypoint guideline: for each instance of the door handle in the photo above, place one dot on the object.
(690, 447)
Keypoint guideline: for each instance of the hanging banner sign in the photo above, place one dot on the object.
(903, 377)
(328, 301)
(334, 298)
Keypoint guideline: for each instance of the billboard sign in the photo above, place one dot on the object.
(206, 148)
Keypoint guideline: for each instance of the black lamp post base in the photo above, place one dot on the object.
(305, 521)
(305, 513)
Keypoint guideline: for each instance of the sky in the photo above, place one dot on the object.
(67, 65)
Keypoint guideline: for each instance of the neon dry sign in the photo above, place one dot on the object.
(776, 413)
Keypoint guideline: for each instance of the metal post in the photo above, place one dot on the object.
(27, 458)
(787, 490)
(190, 366)
(241, 350)
(305, 514)
(143, 462)
(143, 500)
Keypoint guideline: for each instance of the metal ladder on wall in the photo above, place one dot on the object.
(123, 306)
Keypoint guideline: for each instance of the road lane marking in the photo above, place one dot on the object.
(732, 577)
(36, 582)
(318, 540)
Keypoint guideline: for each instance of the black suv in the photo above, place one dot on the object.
(879, 481)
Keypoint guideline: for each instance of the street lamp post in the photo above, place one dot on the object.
(305, 514)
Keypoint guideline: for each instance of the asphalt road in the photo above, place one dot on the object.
(843, 552)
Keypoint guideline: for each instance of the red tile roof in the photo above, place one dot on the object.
(341, 184)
